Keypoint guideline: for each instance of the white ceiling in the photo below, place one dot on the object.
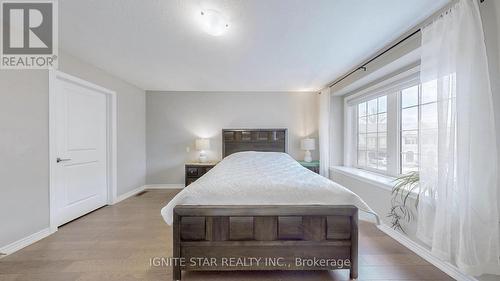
(271, 45)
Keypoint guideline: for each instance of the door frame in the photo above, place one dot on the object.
(111, 149)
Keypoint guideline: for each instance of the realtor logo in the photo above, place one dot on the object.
(29, 34)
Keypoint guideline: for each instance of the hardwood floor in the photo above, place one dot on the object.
(117, 243)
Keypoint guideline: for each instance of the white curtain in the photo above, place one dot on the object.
(324, 132)
(458, 211)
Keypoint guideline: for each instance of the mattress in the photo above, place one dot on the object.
(263, 178)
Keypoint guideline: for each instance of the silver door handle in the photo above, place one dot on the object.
(61, 160)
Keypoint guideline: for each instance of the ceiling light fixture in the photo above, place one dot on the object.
(214, 22)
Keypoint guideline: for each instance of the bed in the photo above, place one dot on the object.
(259, 209)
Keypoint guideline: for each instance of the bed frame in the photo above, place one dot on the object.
(265, 237)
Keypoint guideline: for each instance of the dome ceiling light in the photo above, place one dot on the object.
(214, 22)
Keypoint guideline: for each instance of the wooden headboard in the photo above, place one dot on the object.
(237, 140)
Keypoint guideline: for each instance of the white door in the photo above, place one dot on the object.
(80, 168)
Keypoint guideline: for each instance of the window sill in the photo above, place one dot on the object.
(379, 180)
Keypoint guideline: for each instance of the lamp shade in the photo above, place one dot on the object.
(202, 144)
(308, 144)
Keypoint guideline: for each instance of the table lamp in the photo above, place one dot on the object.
(202, 145)
(307, 145)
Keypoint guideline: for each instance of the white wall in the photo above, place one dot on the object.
(490, 13)
(24, 169)
(176, 119)
(378, 198)
(24, 142)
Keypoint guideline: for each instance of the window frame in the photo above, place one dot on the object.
(366, 167)
(400, 124)
(392, 88)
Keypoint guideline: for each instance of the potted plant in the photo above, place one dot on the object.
(406, 187)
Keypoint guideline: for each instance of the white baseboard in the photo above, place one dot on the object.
(148, 187)
(427, 255)
(165, 186)
(129, 194)
(26, 241)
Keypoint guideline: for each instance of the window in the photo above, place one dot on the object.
(372, 134)
(418, 119)
(389, 124)
(410, 112)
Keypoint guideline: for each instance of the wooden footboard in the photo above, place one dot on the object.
(307, 237)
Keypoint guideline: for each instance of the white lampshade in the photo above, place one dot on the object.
(202, 144)
(308, 144)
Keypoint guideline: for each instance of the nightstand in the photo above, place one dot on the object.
(194, 171)
(313, 165)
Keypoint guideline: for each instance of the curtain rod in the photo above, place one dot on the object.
(410, 33)
(363, 65)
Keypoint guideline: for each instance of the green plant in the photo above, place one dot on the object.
(404, 187)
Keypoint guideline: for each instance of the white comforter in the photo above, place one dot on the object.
(263, 178)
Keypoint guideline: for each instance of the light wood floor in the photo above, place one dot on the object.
(117, 242)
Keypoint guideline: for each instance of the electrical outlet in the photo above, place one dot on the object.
(188, 149)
